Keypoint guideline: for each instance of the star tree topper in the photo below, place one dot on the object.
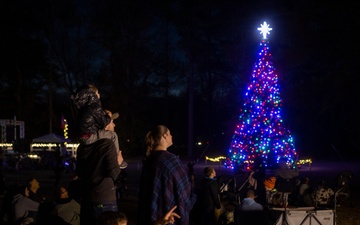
(264, 29)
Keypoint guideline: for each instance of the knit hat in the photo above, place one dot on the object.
(270, 183)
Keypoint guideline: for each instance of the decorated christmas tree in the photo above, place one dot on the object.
(260, 137)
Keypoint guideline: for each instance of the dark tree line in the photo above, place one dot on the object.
(181, 63)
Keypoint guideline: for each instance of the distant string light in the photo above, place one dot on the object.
(66, 128)
(217, 159)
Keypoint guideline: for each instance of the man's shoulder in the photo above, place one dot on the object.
(105, 141)
(100, 145)
(96, 144)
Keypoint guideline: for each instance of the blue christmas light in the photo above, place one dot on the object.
(260, 132)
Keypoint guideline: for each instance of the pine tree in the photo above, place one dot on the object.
(260, 137)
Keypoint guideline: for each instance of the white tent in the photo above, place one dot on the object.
(50, 138)
(52, 141)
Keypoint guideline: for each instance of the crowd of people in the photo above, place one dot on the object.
(28, 204)
(159, 203)
(168, 193)
(91, 197)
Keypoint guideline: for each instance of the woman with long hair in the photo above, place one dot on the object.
(164, 182)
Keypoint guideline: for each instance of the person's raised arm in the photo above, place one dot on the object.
(168, 218)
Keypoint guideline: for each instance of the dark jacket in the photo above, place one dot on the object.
(91, 116)
(208, 200)
(209, 193)
(98, 169)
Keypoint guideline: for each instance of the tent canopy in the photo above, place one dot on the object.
(50, 138)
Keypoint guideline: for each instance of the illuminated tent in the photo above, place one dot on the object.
(50, 138)
(51, 141)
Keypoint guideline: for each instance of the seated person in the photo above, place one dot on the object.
(46, 216)
(33, 187)
(23, 206)
(249, 211)
(270, 189)
(324, 195)
(67, 208)
(304, 194)
(249, 203)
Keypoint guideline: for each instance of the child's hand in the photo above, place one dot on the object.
(120, 158)
(169, 217)
(108, 112)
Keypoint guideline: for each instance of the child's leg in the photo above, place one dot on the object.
(109, 135)
(113, 136)
(87, 141)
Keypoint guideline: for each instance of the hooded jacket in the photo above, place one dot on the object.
(23, 205)
(91, 116)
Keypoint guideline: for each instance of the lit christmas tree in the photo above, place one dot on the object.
(261, 137)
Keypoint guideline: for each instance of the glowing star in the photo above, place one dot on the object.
(264, 29)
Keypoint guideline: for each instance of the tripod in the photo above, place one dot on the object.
(285, 202)
(309, 216)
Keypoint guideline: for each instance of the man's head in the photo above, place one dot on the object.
(33, 185)
(250, 194)
(111, 125)
(210, 172)
(63, 193)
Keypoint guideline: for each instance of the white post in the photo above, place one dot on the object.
(14, 128)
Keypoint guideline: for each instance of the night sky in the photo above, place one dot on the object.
(145, 56)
